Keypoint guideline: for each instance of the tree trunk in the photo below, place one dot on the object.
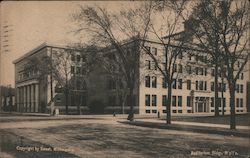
(130, 101)
(168, 107)
(66, 101)
(232, 106)
(222, 96)
(216, 95)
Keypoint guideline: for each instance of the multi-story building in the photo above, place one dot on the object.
(40, 87)
(193, 89)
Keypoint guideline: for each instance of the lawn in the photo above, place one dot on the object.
(241, 119)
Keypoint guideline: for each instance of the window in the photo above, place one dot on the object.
(148, 64)
(154, 100)
(72, 57)
(189, 111)
(174, 84)
(147, 100)
(173, 100)
(205, 71)
(147, 48)
(188, 84)
(179, 83)
(164, 100)
(164, 66)
(154, 65)
(148, 111)
(224, 87)
(58, 100)
(212, 102)
(175, 68)
(180, 101)
(237, 102)
(83, 71)
(179, 111)
(164, 83)
(78, 58)
(72, 70)
(180, 68)
(190, 56)
(147, 81)
(154, 82)
(237, 88)
(205, 85)
(196, 85)
(242, 76)
(174, 111)
(180, 55)
(241, 102)
(78, 70)
(154, 50)
(241, 88)
(212, 72)
(188, 101)
(200, 71)
(212, 86)
(154, 111)
(83, 58)
(200, 85)
(189, 69)
(196, 70)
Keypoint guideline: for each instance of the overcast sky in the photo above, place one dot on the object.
(33, 23)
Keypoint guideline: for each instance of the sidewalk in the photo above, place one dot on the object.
(195, 124)
(208, 128)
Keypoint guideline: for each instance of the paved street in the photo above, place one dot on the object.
(97, 137)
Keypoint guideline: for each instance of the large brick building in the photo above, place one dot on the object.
(193, 90)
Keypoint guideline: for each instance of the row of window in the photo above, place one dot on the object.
(112, 84)
(27, 74)
(239, 102)
(78, 58)
(176, 100)
(199, 85)
(78, 70)
(239, 88)
(164, 111)
(221, 74)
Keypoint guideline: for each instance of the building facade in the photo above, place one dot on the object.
(193, 89)
(41, 88)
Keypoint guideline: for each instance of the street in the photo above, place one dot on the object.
(107, 138)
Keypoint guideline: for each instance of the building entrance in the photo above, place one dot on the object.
(201, 104)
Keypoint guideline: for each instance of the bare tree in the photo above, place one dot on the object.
(106, 29)
(174, 43)
(221, 28)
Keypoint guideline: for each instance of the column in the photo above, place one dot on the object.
(17, 99)
(28, 98)
(25, 99)
(20, 99)
(36, 97)
(32, 98)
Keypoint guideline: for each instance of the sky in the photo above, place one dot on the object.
(32, 23)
